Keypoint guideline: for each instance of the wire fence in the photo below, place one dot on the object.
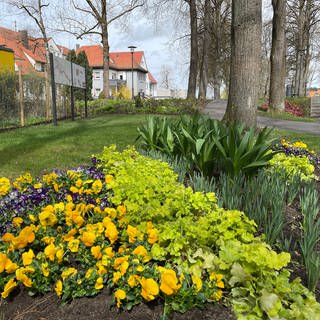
(26, 100)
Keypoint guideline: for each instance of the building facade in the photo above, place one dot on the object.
(124, 70)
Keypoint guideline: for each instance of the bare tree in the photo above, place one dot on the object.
(95, 18)
(245, 61)
(35, 10)
(278, 56)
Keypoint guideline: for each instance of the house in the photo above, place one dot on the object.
(122, 70)
(6, 59)
(29, 52)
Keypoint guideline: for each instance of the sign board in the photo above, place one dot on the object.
(62, 73)
(6, 59)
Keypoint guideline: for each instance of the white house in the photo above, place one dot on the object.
(124, 67)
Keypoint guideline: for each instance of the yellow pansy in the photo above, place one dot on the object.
(88, 238)
(47, 217)
(32, 218)
(27, 257)
(60, 254)
(216, 295)
(7, 237)
(149, 289)
(108, 178)
(119, 295)
(142, 252)
(96, 252)
(3, 261)
(4, 186)
(122, 210)
(10, 285)
(50, 251)
(68, 273)
(37, 185)
(109, 252)
(99, 283)
(101, 268)
(10, 266)
(58, 288)
(96, 186)
(70, 235)
(197, 282)
(111, 212)
(17, 221)
(21, 276)
(45, 269)
(111, 232)
(132, 233)
(218, 279)
(88, 273)
(73, 245)
(169, 282)
(133, 280)
(116, 276)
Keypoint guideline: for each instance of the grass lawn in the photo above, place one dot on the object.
(284, 116)
(39, 149)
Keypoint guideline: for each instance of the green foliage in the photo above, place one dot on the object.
(311, 234)
(209, 146)
(8, 97)
(201, 238)
(293, 165)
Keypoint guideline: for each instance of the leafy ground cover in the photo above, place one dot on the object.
(101, 226)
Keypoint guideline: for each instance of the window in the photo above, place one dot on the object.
(121, 77)
(97, 74)
(141, 76)
(113, 75)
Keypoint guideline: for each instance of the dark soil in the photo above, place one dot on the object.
(49, 307)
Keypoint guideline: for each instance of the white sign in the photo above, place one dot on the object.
(62, 73)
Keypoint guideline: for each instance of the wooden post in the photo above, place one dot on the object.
(21, 96)
(72, 96)
(53, 90)
(86, 96)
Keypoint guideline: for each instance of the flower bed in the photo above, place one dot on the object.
(126, 224)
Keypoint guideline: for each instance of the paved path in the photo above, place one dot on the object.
(216, 110)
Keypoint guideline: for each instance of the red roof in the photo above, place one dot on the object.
(36, 50)
(64, 50)
(151, 78)
(118, 60)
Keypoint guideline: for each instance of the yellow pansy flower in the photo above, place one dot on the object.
(58, 288)
(119, 295)
(116, 276)
(4, 186)
(218, 279)
(60, 254)
(142, 252)
(122, 210)
(45, 269)
(48, 240)
(88, 273)
(99, 283)
(32, 218)
(10, 266)
(111, 212)
(197, 282)
(21, 276)
(169, 282)
(133, 280)
(73, 245)
(88, 238)
(96, 252)
(47, 217)
(10, 285)
(111, 232)
(50, 251)
(149, 289)
(96, 186)
(109, 252)
(7, 237)
(3, 261)
(132, 233)
(68, 273)
(108, 178)
(17, 221)
(70, 235)
(27, 257)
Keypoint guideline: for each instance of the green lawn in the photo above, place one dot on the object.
(39, 149)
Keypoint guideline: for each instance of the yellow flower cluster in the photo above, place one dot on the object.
(4, 186)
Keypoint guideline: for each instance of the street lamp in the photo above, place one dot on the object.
(132, 51)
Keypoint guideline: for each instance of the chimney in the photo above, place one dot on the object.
(24, 38)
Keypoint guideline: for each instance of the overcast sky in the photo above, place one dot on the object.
(157, 43)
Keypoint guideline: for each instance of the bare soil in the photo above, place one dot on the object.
(48, 307)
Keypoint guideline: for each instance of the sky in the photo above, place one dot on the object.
(157, 42)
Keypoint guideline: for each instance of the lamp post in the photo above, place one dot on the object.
(132, 51)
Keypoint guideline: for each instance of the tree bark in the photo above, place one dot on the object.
(245, 62)
(203, 80)
(278, 56)
(192, 83)
(105, 49)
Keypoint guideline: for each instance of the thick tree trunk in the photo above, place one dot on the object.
(203, 81)
(278, 56)
(245, 62)
(105, 49)
(192, 84)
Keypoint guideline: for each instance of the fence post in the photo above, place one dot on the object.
(21, 101)
(53, 89)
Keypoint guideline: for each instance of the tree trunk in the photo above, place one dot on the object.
(203, 81)
(216, 91)
(105, 46)
(278, 56)
(192, 84)
(245, 62)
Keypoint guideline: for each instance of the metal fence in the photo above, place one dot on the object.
(26, 100)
